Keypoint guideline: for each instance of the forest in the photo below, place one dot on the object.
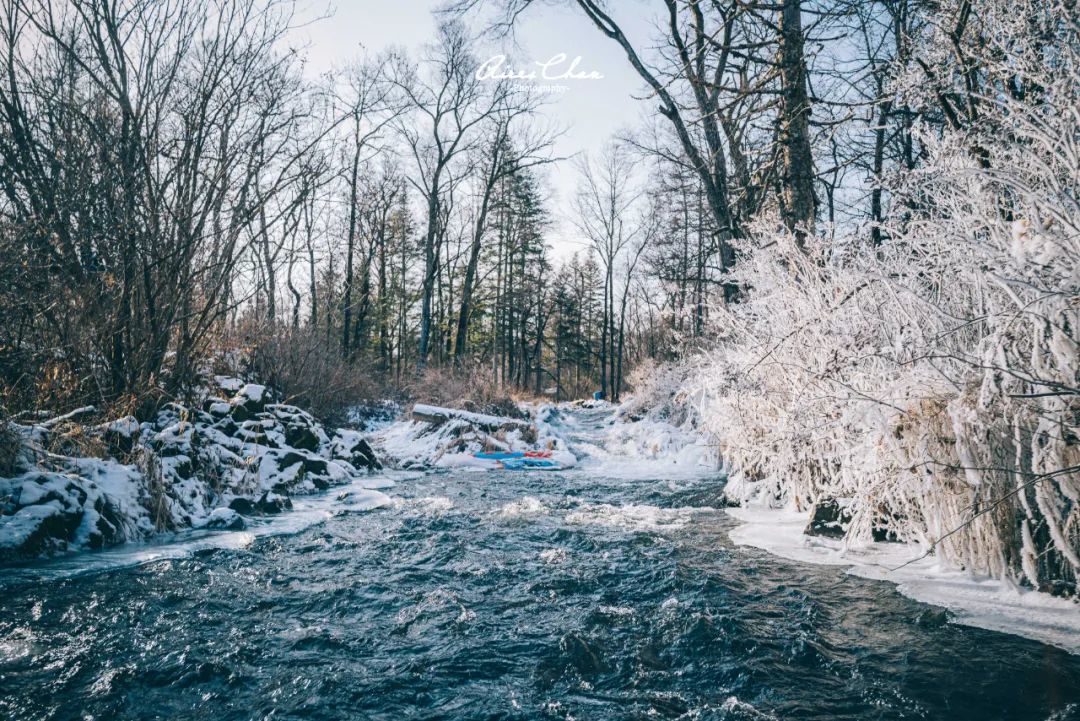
(840, 244)
(188, 189)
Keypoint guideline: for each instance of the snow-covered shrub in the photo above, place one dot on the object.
(657, 390)
(932, 383)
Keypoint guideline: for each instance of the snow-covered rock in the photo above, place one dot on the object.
(196, 467)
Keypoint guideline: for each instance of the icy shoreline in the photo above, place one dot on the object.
(362, 494)
(973, 601)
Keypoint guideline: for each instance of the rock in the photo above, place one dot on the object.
(53, 528)
(289, 458)
(107, 529)
(273, 503)
(228, 383)
(241, 413)
(242, 505)
(184, 467)
(253, 398)
(361, 455)
(121, 435)
(301, 437)
(933, 618)
(217, 407)
(227, 426)
(225, 519)
(1059, 587)
(828, 518)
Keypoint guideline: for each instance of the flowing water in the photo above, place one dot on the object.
(505, 595)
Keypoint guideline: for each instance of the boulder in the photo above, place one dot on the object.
(107, 530)
(53, 527)
(242, 505)
(829, 518)
(289, 458)
(217, 407)
(121, 435)
(225, 519)
(301, 437)
(241, 413)
(253, 398)
(362, 456)
(273, 503)
(227, 426)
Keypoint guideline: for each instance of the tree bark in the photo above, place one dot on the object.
(797, 198)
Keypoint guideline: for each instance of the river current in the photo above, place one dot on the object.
(505, 595)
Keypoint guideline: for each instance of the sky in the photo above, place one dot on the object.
(589, 111)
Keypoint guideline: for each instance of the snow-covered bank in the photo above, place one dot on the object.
(972, 600)
(207, 466)
(642, 433)
(362, 494)
(659, 444)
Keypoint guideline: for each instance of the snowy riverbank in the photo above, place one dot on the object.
(233, 454)
(971, 600)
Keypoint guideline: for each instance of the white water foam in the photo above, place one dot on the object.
(631, 517)
(523, 507)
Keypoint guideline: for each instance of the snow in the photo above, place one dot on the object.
(219, 408)
(476, 419)
(359, 496)
(251, 392)
(454, 442)
(222, 518)
(644, 448)
(126, 427)
(183, 469)
(229, 384)
(978, 601)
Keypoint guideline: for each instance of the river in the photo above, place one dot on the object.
(503, 595)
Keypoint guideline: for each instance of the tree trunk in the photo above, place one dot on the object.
(797, 198)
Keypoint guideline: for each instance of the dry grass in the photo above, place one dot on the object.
(310, 374)
(10, 445)
(469, 389)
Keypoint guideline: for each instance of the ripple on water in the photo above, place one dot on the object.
(508, 596)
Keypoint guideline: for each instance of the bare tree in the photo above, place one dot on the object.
(453, 103)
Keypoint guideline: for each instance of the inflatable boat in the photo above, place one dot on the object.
(520, 459)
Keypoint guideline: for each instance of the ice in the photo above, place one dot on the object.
(982, 602)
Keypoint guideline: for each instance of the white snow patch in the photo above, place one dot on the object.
(229, 384)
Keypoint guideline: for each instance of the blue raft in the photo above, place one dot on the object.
(513, 460)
